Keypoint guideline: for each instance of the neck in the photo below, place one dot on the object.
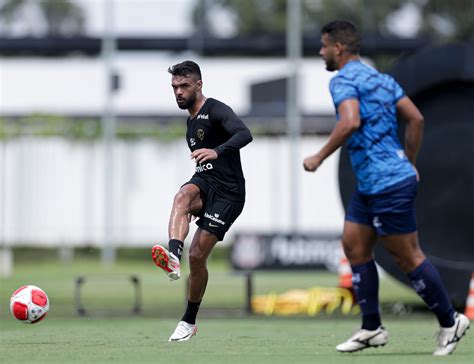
(347, 59)
(193, 110)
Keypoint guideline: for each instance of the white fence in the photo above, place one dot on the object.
(52, 190)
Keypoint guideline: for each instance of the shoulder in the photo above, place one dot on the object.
(342, 83)
(214, 103)
(217, 107)
(347, 76)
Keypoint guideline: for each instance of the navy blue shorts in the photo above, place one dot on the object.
(389, 212)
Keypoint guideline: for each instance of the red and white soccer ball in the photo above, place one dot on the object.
(29, 304)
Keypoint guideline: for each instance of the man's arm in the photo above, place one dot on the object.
(349, 121)
(414, 129)
(240, 135)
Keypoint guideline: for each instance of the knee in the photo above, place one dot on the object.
(356, 254)
(408, 263)
(182, 199)
(196, 260)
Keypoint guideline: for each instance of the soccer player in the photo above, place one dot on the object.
(215, 194)
(382, 208)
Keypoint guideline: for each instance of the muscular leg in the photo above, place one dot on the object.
(358, 241)
(405, 250)
(187, 201)
(201, 247)
(423, 275)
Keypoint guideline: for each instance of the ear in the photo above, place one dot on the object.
(199, 84)
(339, 47)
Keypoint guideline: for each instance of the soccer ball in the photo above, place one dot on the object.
(29, 304)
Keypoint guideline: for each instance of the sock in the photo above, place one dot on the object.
(176, 247)
(365, 280)
(191, 312)
(426, 281)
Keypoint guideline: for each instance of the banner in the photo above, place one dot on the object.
(253, 251)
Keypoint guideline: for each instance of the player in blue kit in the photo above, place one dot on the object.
(382, 208)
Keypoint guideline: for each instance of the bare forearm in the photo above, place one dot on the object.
(414, 127)
(348, 123)
(338, 137)
(413, 138)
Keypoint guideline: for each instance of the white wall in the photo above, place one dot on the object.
(51, 190)
(77, 85)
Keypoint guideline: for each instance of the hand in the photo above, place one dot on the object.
(311, 163)
(203, 154)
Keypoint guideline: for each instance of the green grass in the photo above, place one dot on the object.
(244, 340)
(108, 290)
(226, 334)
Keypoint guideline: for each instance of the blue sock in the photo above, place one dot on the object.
(426, 281)
(365, 281)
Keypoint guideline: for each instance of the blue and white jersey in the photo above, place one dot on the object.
(375, 151)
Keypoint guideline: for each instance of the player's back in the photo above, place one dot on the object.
(376, 154)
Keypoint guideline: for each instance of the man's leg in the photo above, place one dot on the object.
(428, 285)
(358, 241)
(201, 247)
(186, 202)
(424, 276)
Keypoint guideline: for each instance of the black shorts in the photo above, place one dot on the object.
(218, 213)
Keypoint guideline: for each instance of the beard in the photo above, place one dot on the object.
(186, 104)
(331, 65)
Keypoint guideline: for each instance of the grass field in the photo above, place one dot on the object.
(244, 340)
(226, 334)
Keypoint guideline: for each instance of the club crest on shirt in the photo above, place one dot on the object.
(200, 134)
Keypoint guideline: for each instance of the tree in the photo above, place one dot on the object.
(41, 17)
(439, 19)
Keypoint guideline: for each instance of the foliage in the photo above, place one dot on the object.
(39, 125)
(56, 17)
(441, 20)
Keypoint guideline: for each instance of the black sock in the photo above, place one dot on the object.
(176, 247)
(191, 312)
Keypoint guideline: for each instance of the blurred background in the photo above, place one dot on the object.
(92, 144)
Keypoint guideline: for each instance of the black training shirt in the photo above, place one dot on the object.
(217, 127)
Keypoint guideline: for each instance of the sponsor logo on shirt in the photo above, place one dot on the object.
(203, 116)
(204, 167)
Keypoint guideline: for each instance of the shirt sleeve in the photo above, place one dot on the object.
(233, 125)
(342, 89)
(398, 91)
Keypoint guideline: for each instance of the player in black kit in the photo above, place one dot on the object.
(215, 194)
